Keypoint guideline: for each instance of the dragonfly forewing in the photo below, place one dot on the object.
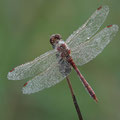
(34, 67)
(88, 50)
(91, 26)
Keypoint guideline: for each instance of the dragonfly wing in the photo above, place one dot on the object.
(44, 80)
(34, 67)
(90, 49)
(91, 26)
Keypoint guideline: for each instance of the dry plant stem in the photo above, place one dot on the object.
(74, 99)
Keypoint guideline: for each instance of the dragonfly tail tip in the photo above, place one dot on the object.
(95, 98)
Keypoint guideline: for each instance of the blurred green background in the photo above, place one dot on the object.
(25, 29)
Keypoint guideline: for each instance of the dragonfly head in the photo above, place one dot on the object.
(54, 39)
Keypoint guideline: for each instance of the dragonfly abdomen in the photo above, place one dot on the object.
(85, 83)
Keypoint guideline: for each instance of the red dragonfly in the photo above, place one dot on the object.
(79, 48)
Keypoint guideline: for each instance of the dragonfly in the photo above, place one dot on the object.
(80, 47)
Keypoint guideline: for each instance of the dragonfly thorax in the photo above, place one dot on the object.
(62, 48)
(62, 55)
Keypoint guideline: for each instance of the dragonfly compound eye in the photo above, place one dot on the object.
(55, 38)
(52, 39)
(58, 36)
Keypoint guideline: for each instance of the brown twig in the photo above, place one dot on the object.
(74, 99)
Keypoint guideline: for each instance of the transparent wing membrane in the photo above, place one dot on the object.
(90, 49)
(89, 28)
(34, 67)
(44, 80)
